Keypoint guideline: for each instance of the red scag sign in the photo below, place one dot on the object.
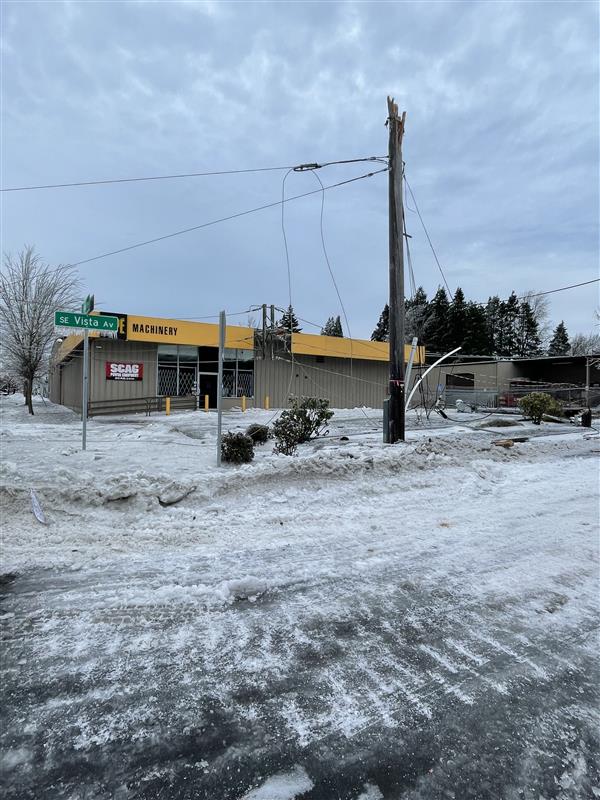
(124, 371)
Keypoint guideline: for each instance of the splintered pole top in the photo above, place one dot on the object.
(393, 111)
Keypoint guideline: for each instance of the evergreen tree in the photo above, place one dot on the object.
(492, 325)
(435, 332)
(333, 327)
(419, 299)
(327, 329)
(382, 331)
(559, 344)
(509, 320)
(476, 340)
(457, 317)
(289, 322)
(416, 313)
(528, 335)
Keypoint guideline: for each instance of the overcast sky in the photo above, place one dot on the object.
(501, 148)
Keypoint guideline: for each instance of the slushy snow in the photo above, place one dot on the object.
(360, 620)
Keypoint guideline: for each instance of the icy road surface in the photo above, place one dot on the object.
(360, 621)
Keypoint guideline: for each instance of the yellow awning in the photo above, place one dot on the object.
(340, 347)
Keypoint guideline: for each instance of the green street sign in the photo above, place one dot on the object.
(71, 319)
(88, 304)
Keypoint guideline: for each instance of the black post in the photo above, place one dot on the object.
(396, 251)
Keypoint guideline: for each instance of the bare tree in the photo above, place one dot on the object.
(583, 345)
(30, 293)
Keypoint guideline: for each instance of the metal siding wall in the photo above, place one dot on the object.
(366, 386)
(70, 386)
(104, 350)
(54, 384)
(490, 376)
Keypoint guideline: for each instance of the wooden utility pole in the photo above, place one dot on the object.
(396, 248)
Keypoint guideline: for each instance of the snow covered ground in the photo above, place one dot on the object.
(359, 621)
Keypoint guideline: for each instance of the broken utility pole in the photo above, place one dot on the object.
(396, 248)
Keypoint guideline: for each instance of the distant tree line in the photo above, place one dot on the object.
(512, 327)
(515, 327)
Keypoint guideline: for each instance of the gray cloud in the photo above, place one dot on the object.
(501, 147)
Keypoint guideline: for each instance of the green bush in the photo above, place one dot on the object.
(306, 417)
(258, 433)
(237, 448)
(555, 409)
(536, 404)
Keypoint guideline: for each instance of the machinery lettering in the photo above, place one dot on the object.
(163, 330)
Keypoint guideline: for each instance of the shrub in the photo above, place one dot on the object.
(555, 409)
(536, 404)
(306, 417)
(237, 448)
(258, 433)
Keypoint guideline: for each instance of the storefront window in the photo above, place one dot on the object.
(167, 353)
(177, 370)
(187, 354)
(185, 370)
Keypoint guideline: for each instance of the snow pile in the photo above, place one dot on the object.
(285, 786)
(248, 588)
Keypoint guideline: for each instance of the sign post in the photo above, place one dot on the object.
(84, 390)
(86, 308)
(222, 324)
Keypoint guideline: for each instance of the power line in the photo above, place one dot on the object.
(437, 261)
(562, 289)
(140, 179)
(224, 219)
(296, 168)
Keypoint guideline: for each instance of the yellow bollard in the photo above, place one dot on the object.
(167, 406)
(206, 402)
(243, 402)
(267, 405)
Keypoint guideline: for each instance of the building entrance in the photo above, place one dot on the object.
(208, 386)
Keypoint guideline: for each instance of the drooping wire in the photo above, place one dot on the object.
(285, 242)
(290, 306)
(411, 272)
(328, 262)
(437, 261)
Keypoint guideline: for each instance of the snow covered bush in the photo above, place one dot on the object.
(306, 417)
(237, 448)
(536, 404)
(258, 433)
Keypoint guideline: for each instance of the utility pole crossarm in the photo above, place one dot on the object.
(396, 417)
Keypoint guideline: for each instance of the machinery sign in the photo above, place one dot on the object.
(124, 371)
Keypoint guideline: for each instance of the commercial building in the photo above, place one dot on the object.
(153, 358)
(574, 380)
